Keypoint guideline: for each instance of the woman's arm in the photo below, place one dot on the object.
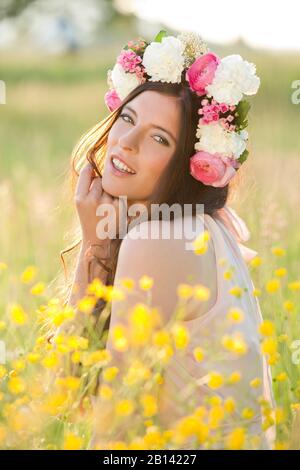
(87, 269)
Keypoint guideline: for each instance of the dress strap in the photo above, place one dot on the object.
(237, 226)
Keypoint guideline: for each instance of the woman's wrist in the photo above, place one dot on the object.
(97, 257)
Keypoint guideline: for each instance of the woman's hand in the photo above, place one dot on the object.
(89, 195)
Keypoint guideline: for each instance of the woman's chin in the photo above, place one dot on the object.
(113, 188)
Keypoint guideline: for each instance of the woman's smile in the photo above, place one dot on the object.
(118, 169)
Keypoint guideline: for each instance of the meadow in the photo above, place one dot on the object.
(52, 101)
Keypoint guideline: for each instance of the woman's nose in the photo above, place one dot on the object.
(129, 140)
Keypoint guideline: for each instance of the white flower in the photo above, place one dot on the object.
(109, 80)
(123, 82)
(213, 138)
(194, 46)
(164, 61)
(233, 77)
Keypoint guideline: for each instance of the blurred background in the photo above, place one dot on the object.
(54, 55)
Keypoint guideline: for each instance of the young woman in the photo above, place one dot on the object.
(145, 151)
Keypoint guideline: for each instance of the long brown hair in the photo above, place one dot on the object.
(175, 185)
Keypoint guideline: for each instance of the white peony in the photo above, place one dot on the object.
(233, 78)
(213, 138)
(164, 61)
(123, 82)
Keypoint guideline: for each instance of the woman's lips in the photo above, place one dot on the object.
(118, 172)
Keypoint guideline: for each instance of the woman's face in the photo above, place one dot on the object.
(144, 137)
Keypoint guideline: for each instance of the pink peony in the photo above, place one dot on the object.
(112, 100)
(210, 169)
(201, 73)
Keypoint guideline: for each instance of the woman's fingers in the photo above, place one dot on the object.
(96, 188)
(84, 181)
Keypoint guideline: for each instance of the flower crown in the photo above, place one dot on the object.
(220, 84)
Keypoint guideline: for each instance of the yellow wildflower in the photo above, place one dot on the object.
(86, 304)
(278, 251)
(38, 288)
(229, 405)
(256, 292)
(184, 291)
(255, 383)
(201, 243)
(124, 407)
(266, 328)
(281, 377)
(216, 380)
(201, 292)
(273, 285)
(180, 335)
(18, 315)
(29, 274)
(247, 413)
(227, 275)
(255, 262)
(149, 404)
(3, 371)
(235, 343)
(51, 361)
(146, 283)
(16, 385)
(119, 338)
(72, 442)
(161, 338)
(236, 439)
(3, 266)
(289, 305)
(295, 285)
(236, 291)
(198, 354)
(234, 377)
(269, 346)
(110, 373)
(128, 283)
(113, 293)
(280, 272)
(105, 392)
(235, 315)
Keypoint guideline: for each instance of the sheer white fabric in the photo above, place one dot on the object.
(169, 263)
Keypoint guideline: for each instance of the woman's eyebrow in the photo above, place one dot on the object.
(153, 125)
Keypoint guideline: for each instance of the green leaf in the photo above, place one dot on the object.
(242, 110)
(243, 157)
(160, 35)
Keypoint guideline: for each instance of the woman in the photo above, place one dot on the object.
(145, 151)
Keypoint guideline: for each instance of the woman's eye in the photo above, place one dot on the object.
(125, 115)
(162, 141)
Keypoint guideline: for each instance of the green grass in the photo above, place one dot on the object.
(51, 102)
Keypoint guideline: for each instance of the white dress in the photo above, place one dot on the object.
(227, 232)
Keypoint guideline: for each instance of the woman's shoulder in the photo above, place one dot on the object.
(168, 251)
(177, 234)
(168, 260)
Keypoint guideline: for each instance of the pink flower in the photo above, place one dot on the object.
(129, 60)
(224, 107)
(201, 72)
(210, 169)
(210, 113)
(112, 100)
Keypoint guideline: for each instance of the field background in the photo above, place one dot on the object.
(51, 101)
